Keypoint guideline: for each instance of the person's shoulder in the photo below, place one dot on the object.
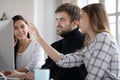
(104, 36)
(34, 42)
(57, 42)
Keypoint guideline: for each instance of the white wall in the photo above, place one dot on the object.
(22, 7)
(39, 12)
(45, 18)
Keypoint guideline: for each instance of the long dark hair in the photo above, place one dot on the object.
(16, 18)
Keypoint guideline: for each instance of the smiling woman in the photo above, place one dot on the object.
(26, 47)
(28, 53)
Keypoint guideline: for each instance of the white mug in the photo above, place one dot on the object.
(42, 74)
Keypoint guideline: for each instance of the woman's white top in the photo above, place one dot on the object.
(31, 58)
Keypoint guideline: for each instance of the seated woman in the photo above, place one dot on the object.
(28, 52)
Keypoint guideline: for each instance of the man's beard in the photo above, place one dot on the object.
(62, 33)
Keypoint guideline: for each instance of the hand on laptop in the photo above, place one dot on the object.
(28, 76)
(6, 72)
(16, 74)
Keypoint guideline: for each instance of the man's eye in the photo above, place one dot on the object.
(15, 28)
(62, 19)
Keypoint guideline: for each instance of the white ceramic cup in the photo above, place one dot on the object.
(42, 74)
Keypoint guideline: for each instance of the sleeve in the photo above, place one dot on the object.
(71, 60)
(37, 58)
(101, 56)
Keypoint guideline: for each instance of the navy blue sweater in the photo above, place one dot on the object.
(71, 42)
